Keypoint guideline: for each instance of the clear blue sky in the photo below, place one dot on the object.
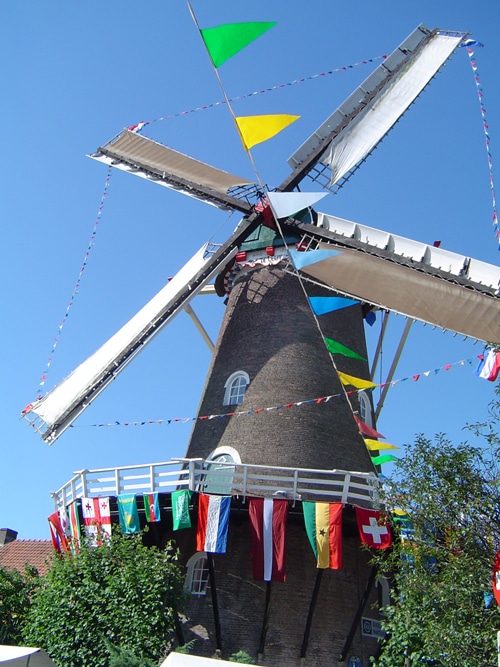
(74, 74)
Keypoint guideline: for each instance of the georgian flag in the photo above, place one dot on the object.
(96, 516)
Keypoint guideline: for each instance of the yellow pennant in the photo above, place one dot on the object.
(256, 129)
(355, 382)
(376, 445)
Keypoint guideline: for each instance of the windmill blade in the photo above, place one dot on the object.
(57, 410)
(149, 159)
(429, 284)
(343, 142)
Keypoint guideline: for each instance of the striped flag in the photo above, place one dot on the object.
(213, 522)
(268, 519)
(324, 529)
(59, 541)
(151, 507)
(74, 525)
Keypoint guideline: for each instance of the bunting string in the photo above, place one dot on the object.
(91, 244)
(297, 404)
(140, 126)
(470, 52)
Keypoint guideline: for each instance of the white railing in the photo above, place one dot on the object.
(234, 479)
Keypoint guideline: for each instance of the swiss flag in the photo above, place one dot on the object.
(373, 531)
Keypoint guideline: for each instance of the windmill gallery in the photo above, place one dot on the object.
(270, 513)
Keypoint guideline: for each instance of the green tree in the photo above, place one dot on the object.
(15, 592)
(443, 555)
(121, 592)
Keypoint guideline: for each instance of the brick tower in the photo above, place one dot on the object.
(271, 351)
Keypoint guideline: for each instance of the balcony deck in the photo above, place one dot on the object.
(235, 479)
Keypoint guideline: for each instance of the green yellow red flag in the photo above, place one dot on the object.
(323, 523)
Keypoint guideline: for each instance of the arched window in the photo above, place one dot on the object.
(219, 476)
(365, 408)
(197, 574)
(235, 388)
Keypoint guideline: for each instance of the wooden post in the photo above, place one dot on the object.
(265, 622)
(215, 604)
(357, 617)
(312, 605)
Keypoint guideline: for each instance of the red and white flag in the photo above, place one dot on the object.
(96, 516)
(268, 519)
(373, 531)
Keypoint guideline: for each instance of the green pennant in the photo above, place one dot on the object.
(383, 458)
(224, 41)
(338, 348)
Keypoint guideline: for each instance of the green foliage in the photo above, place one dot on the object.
(15, 591)
(242, 657)
(441, 563)
(121, 657)
(187, 647)
(122, 591)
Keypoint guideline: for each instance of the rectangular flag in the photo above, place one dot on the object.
(268, 518)
(74, 526)
(96, 517)
(128, 514)
(373, 531)
(59, 541)
(213, 523)
(489, 366)
(324, 529)
(180, 509)
(151, 507)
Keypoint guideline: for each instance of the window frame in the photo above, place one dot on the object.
(197, 577)
(228, 387)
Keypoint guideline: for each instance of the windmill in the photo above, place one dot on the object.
(271, 347)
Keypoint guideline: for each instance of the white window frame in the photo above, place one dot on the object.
(365, 408)
(197, 575)
(228, 387)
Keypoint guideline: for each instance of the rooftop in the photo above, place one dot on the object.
(17, 554)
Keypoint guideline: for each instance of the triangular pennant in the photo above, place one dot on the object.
(301, 259)
(374, 445)
(327, 304)
(285, 204)
(256, 129)
(337, 348)
(355, 382)
(366, 429)
(383, 458)
(225, 41)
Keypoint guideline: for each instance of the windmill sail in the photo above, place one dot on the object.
(56, 411)
(337, 148)
(429, 284)
(149, 159)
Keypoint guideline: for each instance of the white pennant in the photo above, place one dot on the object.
(285, 204)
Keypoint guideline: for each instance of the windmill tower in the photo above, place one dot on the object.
(271, 352)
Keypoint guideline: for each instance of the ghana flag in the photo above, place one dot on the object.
(324, 529)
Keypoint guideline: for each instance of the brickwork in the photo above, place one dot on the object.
(241, 600)
(269, 332)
